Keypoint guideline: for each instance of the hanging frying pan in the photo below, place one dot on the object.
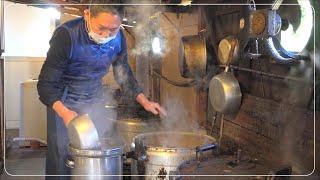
(224, 89)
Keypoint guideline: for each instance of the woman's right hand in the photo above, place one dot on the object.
(65, 113)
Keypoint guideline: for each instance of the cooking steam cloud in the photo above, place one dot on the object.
(146, 29)
(294, 128)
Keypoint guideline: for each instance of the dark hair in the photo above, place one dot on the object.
(95, 8)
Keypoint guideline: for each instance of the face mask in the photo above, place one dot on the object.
(100, 40)
(96, 37)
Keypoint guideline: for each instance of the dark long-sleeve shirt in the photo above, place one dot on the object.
(49, 86)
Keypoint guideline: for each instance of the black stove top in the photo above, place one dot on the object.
(229, 167)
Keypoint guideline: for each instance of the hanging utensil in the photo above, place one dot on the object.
(192, 56)
(228, 50)
(224, 89)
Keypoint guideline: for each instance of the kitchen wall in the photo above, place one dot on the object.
(276, 117)
(27, 35)
(180, 102)
(28, 32)
(17, 70)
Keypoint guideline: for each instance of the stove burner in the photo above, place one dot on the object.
(231, 165)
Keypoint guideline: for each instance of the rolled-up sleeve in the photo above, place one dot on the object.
(123, 73)
(48, 86)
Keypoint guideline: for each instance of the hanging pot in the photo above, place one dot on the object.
(228, 50)
(224, 92)
(224, 89)
(192, 56)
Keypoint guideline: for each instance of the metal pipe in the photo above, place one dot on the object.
(221, 130)
(265, 73)
(213, 122)
(29, 139)
(179, 84)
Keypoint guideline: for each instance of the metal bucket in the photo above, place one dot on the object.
(159, 154)
(105, 163)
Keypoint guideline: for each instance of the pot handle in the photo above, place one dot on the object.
(131, 155)
(69, 162)
(206, 147)
(201, 149)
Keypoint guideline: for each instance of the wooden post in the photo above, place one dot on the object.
(202, 93)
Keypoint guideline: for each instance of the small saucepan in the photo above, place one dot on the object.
(224, 89)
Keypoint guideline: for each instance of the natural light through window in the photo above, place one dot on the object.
(295, 41)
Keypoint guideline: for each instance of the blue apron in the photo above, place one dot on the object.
(88, 63)
(56, 153)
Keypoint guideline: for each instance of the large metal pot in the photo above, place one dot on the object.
(159, 154)
(105, 163)
(128, 128)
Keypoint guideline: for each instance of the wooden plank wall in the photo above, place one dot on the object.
(272, 130)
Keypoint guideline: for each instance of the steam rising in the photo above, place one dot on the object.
(146, 29)
(100, 114)
(295, 129)
(152, 27)
(178, 117)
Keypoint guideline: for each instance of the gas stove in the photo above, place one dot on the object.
(232, 166)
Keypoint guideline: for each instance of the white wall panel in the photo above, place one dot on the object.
(16, 71)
